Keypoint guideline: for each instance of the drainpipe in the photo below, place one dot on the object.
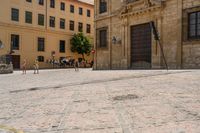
(46, 15)
(95, 33)
(110, 33)
(179, 35)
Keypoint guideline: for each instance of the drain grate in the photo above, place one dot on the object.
(125, 97)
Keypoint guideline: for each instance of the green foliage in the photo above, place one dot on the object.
(81, 44)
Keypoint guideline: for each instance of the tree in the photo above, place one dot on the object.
(81, 44)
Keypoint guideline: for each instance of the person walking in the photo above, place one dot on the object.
(24, 67)
(36, 67)
(76, 65)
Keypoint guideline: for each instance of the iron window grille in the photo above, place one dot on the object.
(41, 19)
(28, 18)
(52, 21)
(102, 6)
(14, 42)
(62, 6)
(194, 25)
(62, 46)
(41, 44)
(52, 3)
(80, 27)
(62, 23)
(15, 14)
(71, 25)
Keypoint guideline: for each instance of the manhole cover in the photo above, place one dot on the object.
(125, 97)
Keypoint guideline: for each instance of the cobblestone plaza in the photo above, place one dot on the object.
(127, 101)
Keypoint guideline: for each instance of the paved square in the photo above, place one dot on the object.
(65, 101)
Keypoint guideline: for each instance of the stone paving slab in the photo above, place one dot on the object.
(65, 101)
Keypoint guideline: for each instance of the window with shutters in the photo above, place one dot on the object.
(194, 25)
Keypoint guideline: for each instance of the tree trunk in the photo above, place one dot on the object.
(83, 57)
(84, 63)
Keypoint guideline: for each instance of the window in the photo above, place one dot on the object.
(80, 11)
(14, 42)
(52, 3)
(88, 30)
(41, 44)
(15, 14)
(28, 18)
(102, 6)
(62, 6)
(80, 27)
(103, 38)
(41, 19)
(40, 58)
(88, 13)
(72, 8)
(62, 23)
(41, 2)
(71, 25)
(62, 46)
(194, 25)
(28, 0)
(52, 21)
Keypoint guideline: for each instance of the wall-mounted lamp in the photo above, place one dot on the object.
(116, 40)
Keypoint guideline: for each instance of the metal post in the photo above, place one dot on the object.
(163, 55)
(157, 38)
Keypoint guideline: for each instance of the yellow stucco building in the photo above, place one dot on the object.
(31, 29)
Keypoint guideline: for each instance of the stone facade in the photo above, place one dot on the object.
(171, 21)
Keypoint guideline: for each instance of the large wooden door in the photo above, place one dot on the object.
(16, 61)
(141, 46)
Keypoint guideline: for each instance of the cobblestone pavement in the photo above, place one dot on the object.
(65, 101)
